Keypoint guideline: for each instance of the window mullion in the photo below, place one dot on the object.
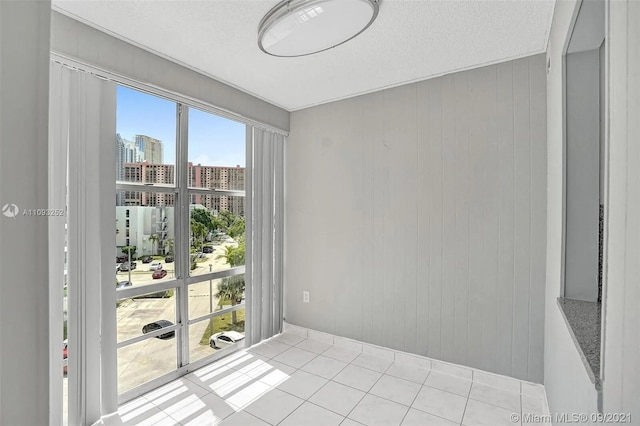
(182, 232)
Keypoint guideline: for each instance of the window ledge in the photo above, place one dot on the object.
(583, 321)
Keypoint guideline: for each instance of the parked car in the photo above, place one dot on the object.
(123, 284)
(121, 259)
(159, 273)
(155, 266)
(207, 249)
(146, 259)
(125, 266)
(157, 325)
(225, 338)
(168, 259)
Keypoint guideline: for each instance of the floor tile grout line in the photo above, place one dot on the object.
(431, 414)
(318, 390)
(293, 411)
(252, 415)
(414, 399)
(331, 380)
(495, 405)
(319, 406)
(466, 403)
(367, 393)
(316, 356)
(443, 390)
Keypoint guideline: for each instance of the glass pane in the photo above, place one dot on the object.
(216, 152)
(144, 361)
(217, 239)
(145, 238)
(220, 332)
(145, 313)
(145, 137)
(210, 296)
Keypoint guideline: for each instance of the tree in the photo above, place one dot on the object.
(234, 255)
(154, 239)
(168, 245)
(231, 289)
(198, 231)
(205, 218)
(129, 250)
(236, 229)
(226, 219)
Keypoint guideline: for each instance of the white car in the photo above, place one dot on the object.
(225, 338)
(155, 266)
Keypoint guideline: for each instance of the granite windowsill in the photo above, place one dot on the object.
(584, 321)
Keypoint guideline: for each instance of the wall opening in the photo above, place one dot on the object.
(584, 182)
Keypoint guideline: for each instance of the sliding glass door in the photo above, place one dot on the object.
(179, 236)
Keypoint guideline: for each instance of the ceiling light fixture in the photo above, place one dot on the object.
(303, 27)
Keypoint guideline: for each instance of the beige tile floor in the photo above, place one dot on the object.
(297, 380)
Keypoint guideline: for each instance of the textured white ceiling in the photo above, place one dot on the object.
(411, 40)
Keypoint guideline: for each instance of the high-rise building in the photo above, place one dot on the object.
(211, 177)
(223, 178)
(126, 152)
(151, 147)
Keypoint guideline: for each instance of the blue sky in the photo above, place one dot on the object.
(213, 140)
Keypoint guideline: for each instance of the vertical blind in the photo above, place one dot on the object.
(82, 123)
(265, 202)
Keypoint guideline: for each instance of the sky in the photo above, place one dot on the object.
(213, 140)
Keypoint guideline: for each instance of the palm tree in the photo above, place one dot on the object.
(232, 289)
(154, 239)
(168, 244)
(198, 231)
(233, 255)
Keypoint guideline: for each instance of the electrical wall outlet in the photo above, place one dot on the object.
(305, 296)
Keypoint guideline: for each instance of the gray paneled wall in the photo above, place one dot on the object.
(416, 217)
(621, 380)
(25, 352)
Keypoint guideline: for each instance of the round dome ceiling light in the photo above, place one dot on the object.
(303, 27)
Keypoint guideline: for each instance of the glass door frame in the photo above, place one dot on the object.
(181, 252)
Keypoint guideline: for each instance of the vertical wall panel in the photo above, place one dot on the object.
(409, 185)
(422, 230)
(435, 223)
(490, 217)
(373, 129)
(506, 194)
(412, 210)
(369, 234)
(522, 222)
(476, 242)
(449, 254)
(461, 193)
(538, 242)
(348, 206)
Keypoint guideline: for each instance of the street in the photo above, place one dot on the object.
(151, 358)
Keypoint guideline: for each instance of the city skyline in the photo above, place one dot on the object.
(213, 140)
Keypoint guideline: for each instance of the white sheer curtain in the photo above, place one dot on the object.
(265, 203)
(82, 170)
